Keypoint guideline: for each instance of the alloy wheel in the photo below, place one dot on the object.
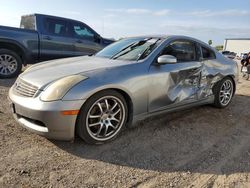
(8, 64)
(105, 118)
(226, 92)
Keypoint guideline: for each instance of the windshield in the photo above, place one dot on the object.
(131, 49)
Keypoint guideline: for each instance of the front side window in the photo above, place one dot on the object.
(183, 50)
(130, 49)
(207, 53)
(56, 27)
(79, 30)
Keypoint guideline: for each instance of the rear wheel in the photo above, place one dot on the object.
(223, 91)
(10, 64)
(102, 117)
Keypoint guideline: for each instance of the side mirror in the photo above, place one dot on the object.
(167, 59)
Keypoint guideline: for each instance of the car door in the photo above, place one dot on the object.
(171, 85)
(210, 72)
(54, 40)
(86, 41)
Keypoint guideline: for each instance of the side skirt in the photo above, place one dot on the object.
(144, 116)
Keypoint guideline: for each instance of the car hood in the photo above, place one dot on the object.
(44, 73)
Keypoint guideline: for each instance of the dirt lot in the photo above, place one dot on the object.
(199, 147)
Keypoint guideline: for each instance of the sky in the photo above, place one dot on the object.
(205, 20)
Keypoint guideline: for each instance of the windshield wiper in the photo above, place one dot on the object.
(147, 49)
(135, 44)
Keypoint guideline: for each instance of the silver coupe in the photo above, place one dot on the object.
(96, 96)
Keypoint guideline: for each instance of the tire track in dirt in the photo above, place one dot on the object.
(213, 159)
(201, 172)
(210, 160)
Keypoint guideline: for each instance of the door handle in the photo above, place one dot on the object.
(47, 38)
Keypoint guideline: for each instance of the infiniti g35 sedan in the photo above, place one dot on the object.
(95, 97)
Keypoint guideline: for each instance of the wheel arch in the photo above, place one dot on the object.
(15, 47)
(232, 77)
(127, 98)
(129, 102)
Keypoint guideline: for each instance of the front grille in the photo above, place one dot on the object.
(25, 89)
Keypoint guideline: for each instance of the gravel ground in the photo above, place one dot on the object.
(199, 147)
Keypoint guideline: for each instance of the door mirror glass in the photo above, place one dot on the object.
(167, 59)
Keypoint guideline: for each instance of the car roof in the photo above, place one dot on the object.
(174, 37)
(162, 36)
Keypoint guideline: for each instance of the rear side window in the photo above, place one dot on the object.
(207, 53)
(28, 22)
(55, 27)
(183, 50)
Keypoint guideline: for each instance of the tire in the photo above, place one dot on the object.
(10, 64)
(102, 117)
(223, 92)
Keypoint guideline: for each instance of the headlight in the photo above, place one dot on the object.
(59, 88)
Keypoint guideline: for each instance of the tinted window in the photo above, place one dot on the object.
(56, 27)
(184, 51)
(207, 54)
(82, 31)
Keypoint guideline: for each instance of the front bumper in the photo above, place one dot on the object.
(45, 118)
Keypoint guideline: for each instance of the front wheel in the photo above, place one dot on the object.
(10, 64)
(223, 91)
(102, 117)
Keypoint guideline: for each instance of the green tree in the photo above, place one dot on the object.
(219, 47)
(210, 42)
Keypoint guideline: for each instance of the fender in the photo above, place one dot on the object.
(9, 43)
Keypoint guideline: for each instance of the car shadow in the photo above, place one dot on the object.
(202, 139)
